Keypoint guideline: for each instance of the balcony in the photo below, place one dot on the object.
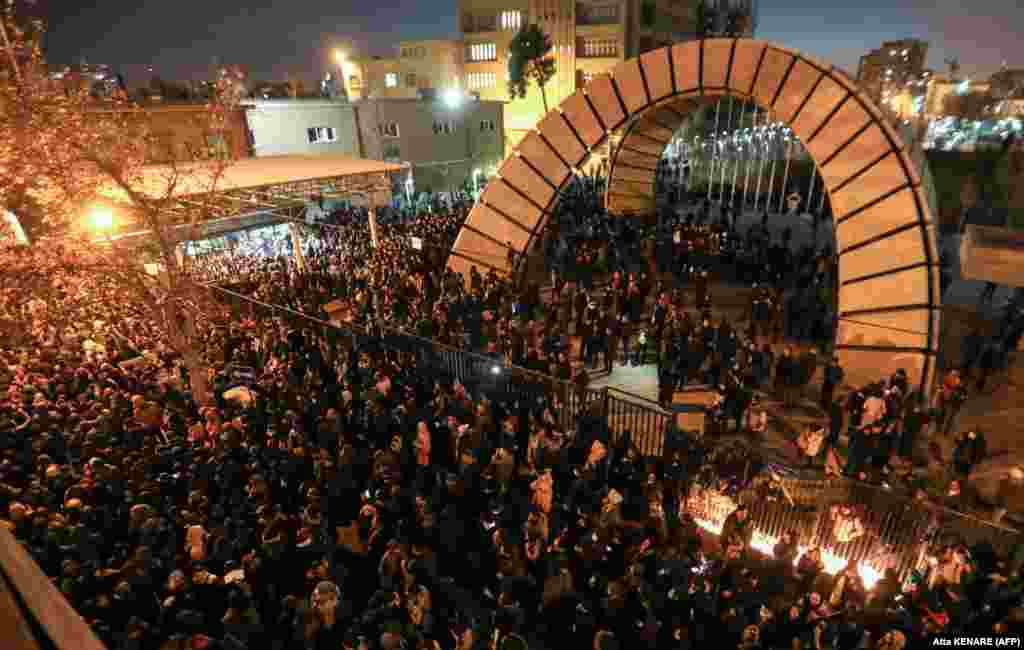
(597, 15)
(597, 48)
(478, 24)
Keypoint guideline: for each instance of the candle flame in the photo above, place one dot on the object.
(834, 563)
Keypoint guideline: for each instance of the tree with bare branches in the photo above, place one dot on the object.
(88, 166)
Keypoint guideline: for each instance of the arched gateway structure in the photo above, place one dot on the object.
(888, 263)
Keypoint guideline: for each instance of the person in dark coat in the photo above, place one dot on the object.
(785, 377)
(836, 416)
(701, 287)
(613, 335)
(832, 377)
(969, 451)
(737, 530)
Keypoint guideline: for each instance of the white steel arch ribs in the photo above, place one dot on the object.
(889, 298)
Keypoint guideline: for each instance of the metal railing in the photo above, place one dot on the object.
(485, 375)
(899, 531)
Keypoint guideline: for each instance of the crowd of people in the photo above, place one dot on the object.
(335, 495)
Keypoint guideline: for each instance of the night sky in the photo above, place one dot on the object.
(274, 39)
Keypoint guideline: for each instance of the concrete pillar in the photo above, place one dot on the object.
(300, 258)
(373, 227)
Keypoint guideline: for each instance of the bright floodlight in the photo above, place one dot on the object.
(495, 370)
(101, 218)
(452, 98)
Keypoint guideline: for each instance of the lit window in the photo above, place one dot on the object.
(511, 20)
(486, 125)
(587, 77)
(388, 129)
(482, 52)
(320, 134)
(391, 80)
(480, 80)
(600, 47)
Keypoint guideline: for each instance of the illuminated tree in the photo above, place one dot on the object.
(85, 165)
(529, 61)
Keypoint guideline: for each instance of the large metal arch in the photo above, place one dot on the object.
(889, 302)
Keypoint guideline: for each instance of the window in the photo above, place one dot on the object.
(486, 125)
(414, 52)
(320, 134)
(388, 129)
(410, 80)
(391, 80)
(481, 22)
(599, 47)
(392, 152)
(480, 80)
(587, 76)
(511, 21)
(596, 15)
(482, 52)
(445, 127)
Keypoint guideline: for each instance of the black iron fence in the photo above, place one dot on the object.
(899, 532)
(483, 375)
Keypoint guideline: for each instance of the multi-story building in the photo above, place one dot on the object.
(1008, 82)
(183, 132)
(302, 127)
(417, 66)
(445, 142)
(891, 67)
(940, 87)
(589, 37)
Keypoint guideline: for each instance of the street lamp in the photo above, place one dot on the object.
(342, 60)
(101, 218)
(452, 98)
(476, 181)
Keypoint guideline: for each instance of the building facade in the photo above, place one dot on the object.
(184, 132)
(888, 69)
(941, 87)
(589, 37)
(1008, 82)
(417, 66)
(446, 145)
(302, 126)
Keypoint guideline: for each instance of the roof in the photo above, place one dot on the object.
(252, 173)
